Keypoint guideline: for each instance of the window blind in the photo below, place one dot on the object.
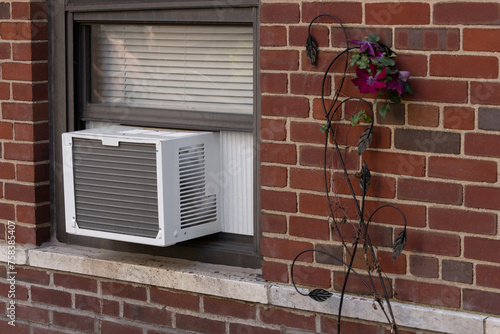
(178, 67)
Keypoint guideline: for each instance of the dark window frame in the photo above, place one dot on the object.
(69, 108)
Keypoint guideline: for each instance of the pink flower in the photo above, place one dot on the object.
(369, 82)
(397, 81)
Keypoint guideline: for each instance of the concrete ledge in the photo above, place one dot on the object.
(239, 284)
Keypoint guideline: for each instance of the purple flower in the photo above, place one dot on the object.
(369, 82)
(372, 48)
(403, 76)
(397, 81)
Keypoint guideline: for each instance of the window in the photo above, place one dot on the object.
(186, 65)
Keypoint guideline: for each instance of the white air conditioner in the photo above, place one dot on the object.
(142, 185)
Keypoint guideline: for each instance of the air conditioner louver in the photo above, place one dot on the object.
(141, 185)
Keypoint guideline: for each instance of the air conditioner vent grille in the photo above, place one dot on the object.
(196, 206)
(116, 187)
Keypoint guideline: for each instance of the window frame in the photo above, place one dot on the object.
(69, 109)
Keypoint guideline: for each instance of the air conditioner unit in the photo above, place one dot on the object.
(142, 185)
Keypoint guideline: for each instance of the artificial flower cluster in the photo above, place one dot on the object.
(376, 71)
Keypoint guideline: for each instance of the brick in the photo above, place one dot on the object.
(314, 204)
(31, 313)
(123, 290)
(25, 71)
(480, 144)
(345, 11)
(461, 118)
(284, 201)
(431, 90)
(30, 91)
(348, 135)
(466, 13)
(297, 36)
(75, 322)
(482, 197)
(415, 64)
(285, 249)
(273, 36)
(175, 299)
(32, 173)
(32, 235)
(423, 115)
(23, 31)
(18, 329)
(481, 301)
(430, 191)
(309, 84)
(150, 315)
(75, 282)
(428, 39)
(31, 132)
(113, 327)
(395, 163)
(307, 132)
(432, 242)
(397, 13)
(458, 271)
(5, 50)
(273, 176)
(329, 325)
(489, 119)
(315, 157)
(278, 153)
(51, 296)
(201, 325)
(415, 214)
(318, 229)
(242, 328)
(20, 192)
(289, 319)
(463, 66)
(462, 221)
(488, 276)
(485, 93)
(427, 293)
(6, 130)
(4, 10)
(463, 169)
(33, 50)
(355, 285)
(276, 83)
(7, 211)
(389, 265)
(424, 266)
(481, 40)
(482, 249)
(224, 307)
(380, 186)
(338, 38)
(32, 276)
(272, 129)
(427, 141)
(7, 171)
(329, 254)
(273, 223)
(26, 152)
(88, 303)
(275, 271)
(311, 276)
(25, 111)
(379, 235)
(395, 116)
(279, 13)
(279, 60)
(285, 106)
(21, 291)
(29, 11)
(309, 179)
(33, 214)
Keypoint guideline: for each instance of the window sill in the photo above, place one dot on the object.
(238, 284)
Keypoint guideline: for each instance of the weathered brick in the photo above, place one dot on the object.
(482, 197)
(285, 106)
(346, 12)
(75, 322)
(489, 119)
(414, 63)
(26, 152)
(481, 301)
(25, 111)
(4, 10)
(466, 13)
(279, 13)
(284, 60)
(229, 308)
(276, 83)
(463, 66)
(32, 50)
(175, 299)
(397, 13)
(275, 271)
(389, 265)
(315, 156)
(278, 153)
(463, 169)
(114, 327)
(278, 200)
(273, 223)
(6, 130)
(355, 285)
(329, 254)
(488, 276)
(415, 214)
(380, 186)
(443, 91)
(423, 115)
(26, 31)
(147, 314)
(273, 129)
(5, 50)
(273, 36)
(307, 132)
(32, 313)
(7, 170)
(338, 38)
(432, 242)
(309, 179)
(424, 266)
(75, 282)
(25, 71)
(458, 271)
(285, 249)
(395, 163)
(485, 93)
(482, 249)
(309, 228)
(395, 116)
(314, 204)
(50, 296)
(273, 176)
(428, 293)
(462, 221)
(29, 11)
(309, 84)
(427, 141)
(32, 275)
(430, 191)
(285, 318)
(433, 39)
(123, 290)
(481, 144)
(311, 276)
(477, 39)
(201, 325)
(242, 328)
(461, 118)
(297, 36)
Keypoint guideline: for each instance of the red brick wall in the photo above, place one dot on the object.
(24, 128)
(436, 156)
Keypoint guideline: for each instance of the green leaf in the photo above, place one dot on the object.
(407, 88)
(386, 61)
(394, 97)
(384, 109)
(374, 38)
(324, 127)
(360, 116)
